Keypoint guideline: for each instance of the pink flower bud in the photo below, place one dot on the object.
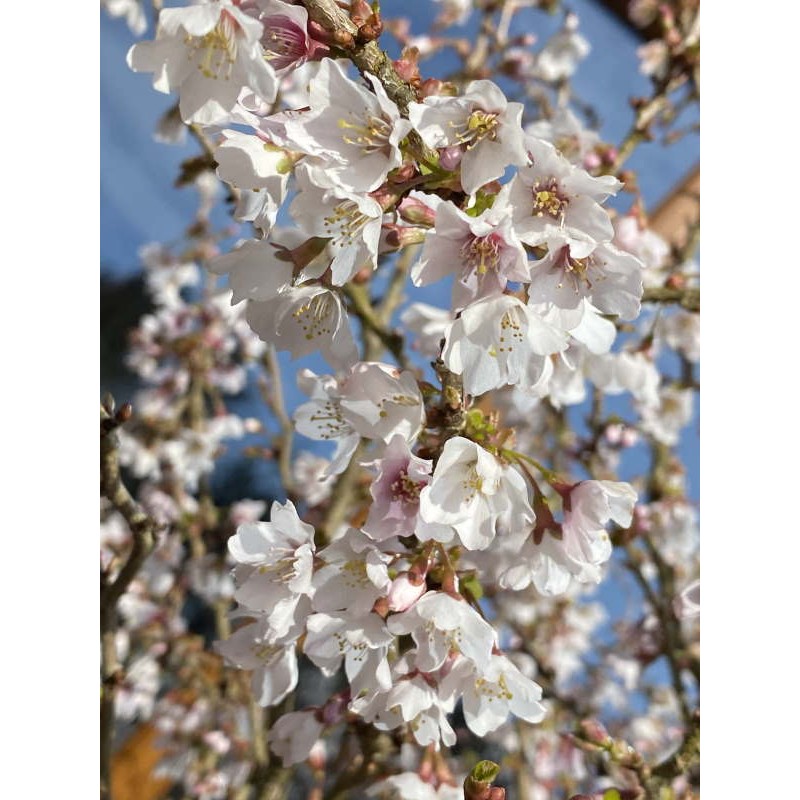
(334, 710)
(450, 157)
(594, 732)
(405, 592)
(217, 741)
(416, 212)
(591, 161)
(629, 437)
(614, 434)
(610, 155)
(317, 756)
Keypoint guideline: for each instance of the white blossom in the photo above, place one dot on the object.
(491, 691)
(304, 320)
(471, 490)
(481, 124)
(209, 53)
(361, 641)
(439, 625)
(293, 735)
(395, 491)
(356, 132)
(483, 252)
(553, 196)
(498, 341)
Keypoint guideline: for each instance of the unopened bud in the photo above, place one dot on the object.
(614, 434)
(416, 212)
(360, 11)
(407, 65)
(478, 784)
(628, 178)
(450, 157)
(676, 281)
(433, 86)
(342, 39)
(610, 155)
(594, 732)
(591, 161)
(125, 413)
(316, 758)
(403, 174)
(363, 275)
(497, 793)
(399, 236)
(406, 589)
(370, 31)
(108, 402)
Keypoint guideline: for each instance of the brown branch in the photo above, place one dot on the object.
(273, 395)
(143, 529)
(688, 298)
(370, 58)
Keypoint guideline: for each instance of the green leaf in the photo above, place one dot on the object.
(485, 771)
(473, 586)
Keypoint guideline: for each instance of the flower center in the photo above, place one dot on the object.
(344, 223)
(284, 42)
(370, 134)
(482, 254)
(498, 690)
(314, 317)
(216, 50)
(478, 126)
(332, 424)
(511, 333)
(548, 200)
(282, 571)
(576, 270)
(405, 488)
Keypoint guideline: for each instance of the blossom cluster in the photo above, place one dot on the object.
(431, 559)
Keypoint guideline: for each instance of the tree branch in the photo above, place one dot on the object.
(143, 529)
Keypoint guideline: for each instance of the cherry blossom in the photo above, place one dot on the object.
(483, 251)
(481, 125)
(209, 53)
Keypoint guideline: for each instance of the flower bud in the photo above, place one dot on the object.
(614, 433)
(406, 589)
(591, 161)
(403, 174)
(407, 65)
(316, 758)
(399, 236)
(450, 157)
(217, 741)
(416, 212)
(594, 732)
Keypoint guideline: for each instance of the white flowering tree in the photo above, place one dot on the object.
(426, 603)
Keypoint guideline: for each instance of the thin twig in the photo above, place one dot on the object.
(143, 530)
